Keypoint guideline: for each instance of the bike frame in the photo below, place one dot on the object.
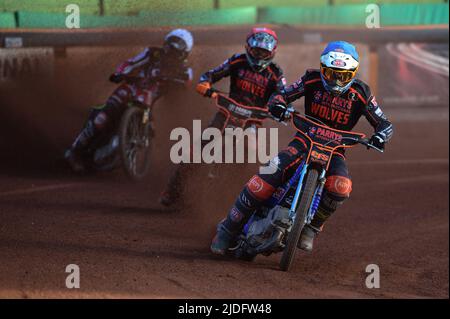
(322, 151)
(240, 113)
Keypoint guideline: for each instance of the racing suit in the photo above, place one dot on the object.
(247, 87)
(143, 80)
(339, 112)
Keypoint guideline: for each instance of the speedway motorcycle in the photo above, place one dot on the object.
(237, 115)
(129, 146)
(277, 226)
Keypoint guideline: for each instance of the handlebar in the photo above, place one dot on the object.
(366, 142)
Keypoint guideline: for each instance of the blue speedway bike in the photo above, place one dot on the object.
(277, 226)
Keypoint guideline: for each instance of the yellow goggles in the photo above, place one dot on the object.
(338, 75)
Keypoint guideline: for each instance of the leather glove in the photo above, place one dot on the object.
(204, 88)
(378, 141)
(278, 108)
(116, 77)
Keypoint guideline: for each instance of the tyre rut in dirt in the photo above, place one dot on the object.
(132, 136)
(302, 210)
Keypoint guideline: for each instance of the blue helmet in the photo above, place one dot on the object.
(339, 64)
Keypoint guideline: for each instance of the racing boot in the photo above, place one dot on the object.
(74, 160)
(244, 207)
(310, 231)
(222, 241)
(73, 155)
(307, 238)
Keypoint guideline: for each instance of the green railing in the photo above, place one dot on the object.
(355, 14)
(139, 13)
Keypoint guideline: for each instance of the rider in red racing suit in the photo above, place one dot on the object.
(253, 79)
(142, 80)
(333, 96)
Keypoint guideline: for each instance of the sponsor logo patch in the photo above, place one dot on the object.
(235, 215)
(379, 112)
(339, 63)
(353, 96)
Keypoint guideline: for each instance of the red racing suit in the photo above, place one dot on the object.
(143, 79)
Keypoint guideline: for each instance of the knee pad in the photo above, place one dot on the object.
(337, 190)
(259, 189)
(340, 186)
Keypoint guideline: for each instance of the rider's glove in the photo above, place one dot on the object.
(378, 141)
(116, 77)
(277, 107)
(204, 88)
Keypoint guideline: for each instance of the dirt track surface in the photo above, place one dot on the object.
(126, 245)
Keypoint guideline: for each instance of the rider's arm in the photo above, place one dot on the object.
(132, 66)
(279, 100)
(214, 75)
(383, 127)
(223, 70)
(373, 113)
(183, 74)
(296, 90)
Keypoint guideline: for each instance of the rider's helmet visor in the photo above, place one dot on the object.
(338, 76)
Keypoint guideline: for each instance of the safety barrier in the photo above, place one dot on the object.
(345, 14)
(339, 2)
(270, 3)
(127, 7)
(355, 14)
(49, 6)
(202, 17)
(7, 20)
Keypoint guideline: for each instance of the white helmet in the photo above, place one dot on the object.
(180, 42)
(339, 64)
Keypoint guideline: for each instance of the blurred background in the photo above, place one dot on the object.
(403, 46)
(51, 75)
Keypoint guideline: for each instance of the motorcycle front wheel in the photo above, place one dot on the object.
(300, 218)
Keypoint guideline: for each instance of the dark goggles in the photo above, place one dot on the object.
(260, 54)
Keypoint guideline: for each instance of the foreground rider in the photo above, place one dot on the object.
(253, 79)
(335, 97)
(142, 80)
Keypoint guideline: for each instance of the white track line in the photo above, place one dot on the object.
(38, 189)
